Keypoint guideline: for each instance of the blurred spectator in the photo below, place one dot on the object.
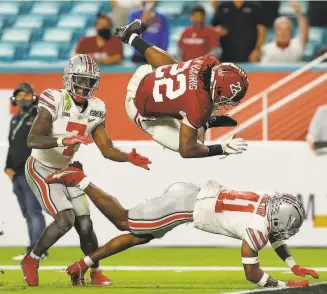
(269, 11)
(105, 48)
(198, 39)
(317, 11)
(242, 32)
(157, 32)
(121, 9)
(18, 153)
(285, 48)
(317, 135)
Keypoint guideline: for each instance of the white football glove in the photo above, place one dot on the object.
(233, 146)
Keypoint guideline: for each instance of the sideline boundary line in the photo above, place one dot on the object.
(161, 268)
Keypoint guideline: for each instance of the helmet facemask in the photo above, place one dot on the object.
(285, 216)
(84, 86)
(228, 85)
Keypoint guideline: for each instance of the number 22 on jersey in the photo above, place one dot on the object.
(246, 196)
(72, 126)
(175, 87)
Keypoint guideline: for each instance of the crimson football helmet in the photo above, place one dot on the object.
(228, 85)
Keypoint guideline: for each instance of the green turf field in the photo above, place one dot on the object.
(139, 280)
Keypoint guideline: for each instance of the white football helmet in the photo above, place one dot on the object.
(285, 215)
(81, 76)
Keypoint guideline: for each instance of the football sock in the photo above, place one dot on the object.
(95, 269)
(88, 261)
(138, 43)
(34, 256)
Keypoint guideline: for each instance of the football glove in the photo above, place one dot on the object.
(72, 175)
(302, 272)
(74, 140)
(297, 284)
(233, 145)
(138, 159)
(220, 121)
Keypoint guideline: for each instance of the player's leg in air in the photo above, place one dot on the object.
(146, 221)
(187, 139)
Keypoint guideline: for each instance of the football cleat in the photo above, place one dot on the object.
(99, 279)
(30, 269)
(76, 271)
(135, 27)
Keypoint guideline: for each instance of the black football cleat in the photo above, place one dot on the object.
(135, 27)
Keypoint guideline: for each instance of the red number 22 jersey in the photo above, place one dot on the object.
(175, 90)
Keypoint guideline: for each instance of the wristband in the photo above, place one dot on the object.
(215, 150)
(60, 142)
(290, 262)
(83, 183)
(263, 281)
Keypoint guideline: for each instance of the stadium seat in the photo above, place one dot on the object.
(176, 33)
(128, 51)
(316, 35)
(7, 52)
(44, 8)
(173, 49)
(170, 8)
(309, 51)
(58, 35)
(86, 8)
(90, 32)
(44, 51)
(16, 35)
(70, 21)
(29, 21)
(9, 8)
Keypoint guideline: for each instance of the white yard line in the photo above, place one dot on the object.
(160, 268)
(269, 289)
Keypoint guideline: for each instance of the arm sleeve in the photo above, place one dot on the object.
(317, 129)
(256, 239)
(48, 101)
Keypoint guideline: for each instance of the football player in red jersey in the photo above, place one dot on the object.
(191, 91)
(256, 218)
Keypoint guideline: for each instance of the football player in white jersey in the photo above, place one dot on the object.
(65, 120)
(253, 217)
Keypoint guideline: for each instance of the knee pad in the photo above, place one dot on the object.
(84, 225)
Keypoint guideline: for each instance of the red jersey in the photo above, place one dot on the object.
(175, 91)
(88, 45)
(198, 42)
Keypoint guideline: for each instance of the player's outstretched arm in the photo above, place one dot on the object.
(256, 275)
(73, 176)
(104, 143)
(189, 147)
(40, 135)
(283, 252)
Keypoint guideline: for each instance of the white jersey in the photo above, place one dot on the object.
(67, 121)
(240, 215)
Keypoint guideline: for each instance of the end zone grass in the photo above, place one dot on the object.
(166, 282)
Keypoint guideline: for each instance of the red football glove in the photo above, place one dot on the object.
(138, 159)
(71, 175)
(297, 284)
(76, 140)
(302, 272)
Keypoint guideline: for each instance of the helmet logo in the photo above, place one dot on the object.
(235, 88)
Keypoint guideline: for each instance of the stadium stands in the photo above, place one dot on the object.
(59, 24)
